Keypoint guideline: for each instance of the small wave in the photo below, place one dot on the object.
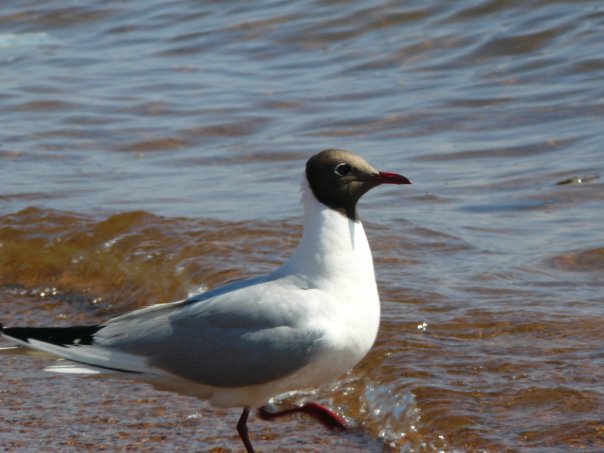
(15, 40)
(591, 260)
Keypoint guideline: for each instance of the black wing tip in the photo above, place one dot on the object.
(60, 336)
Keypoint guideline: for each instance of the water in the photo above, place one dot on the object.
(150, 149)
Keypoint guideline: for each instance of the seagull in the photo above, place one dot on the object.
(308, 322)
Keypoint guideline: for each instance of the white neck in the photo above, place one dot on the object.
(333, 250)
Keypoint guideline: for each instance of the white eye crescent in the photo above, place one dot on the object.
(342, 169)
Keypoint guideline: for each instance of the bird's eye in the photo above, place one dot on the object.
(342, 169)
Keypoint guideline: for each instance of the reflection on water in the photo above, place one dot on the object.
(151, 149)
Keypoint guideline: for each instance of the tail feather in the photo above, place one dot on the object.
(21, 350)
(75, 344)
(68, 367)
(60, 336)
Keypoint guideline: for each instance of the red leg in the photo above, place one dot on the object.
(329, 418)
(242, 430)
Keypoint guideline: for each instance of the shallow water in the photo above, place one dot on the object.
(152, 149)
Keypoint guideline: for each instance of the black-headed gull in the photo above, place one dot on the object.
(308, 322)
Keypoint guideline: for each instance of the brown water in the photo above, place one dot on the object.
(152, 149)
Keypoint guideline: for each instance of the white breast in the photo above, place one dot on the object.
(334, 257)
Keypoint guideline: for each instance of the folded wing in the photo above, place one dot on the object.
(247, 333)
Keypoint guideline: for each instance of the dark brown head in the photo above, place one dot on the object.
(339, 178)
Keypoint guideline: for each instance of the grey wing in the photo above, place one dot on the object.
(237, 338)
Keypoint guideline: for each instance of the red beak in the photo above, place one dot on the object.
(391, 178)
